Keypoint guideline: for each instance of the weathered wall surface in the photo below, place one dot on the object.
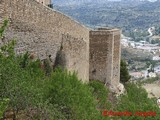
(105, 56)
(99, 50)
(45, 32)
(116, 57)
(44, 2)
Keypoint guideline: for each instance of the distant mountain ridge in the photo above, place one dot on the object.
(79, 2)
(125, 14)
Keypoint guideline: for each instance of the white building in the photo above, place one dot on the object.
(137, 75)
(124, 42)
(158, 102)
(152, 74)
(156, 58)
(132, 44)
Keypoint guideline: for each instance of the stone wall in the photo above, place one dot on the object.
(116, 57)
(105, 56)
(45, 32)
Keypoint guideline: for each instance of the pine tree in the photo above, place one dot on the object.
(124, 74)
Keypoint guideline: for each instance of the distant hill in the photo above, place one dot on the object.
(71, 2)
(76, 2)
(125, 14)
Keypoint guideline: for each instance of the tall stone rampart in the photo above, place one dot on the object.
(45, 32)
(105, 53)
(93, 54)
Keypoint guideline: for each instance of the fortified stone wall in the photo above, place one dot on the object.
(45, 32)
(105, 56)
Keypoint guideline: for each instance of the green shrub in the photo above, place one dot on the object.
(74, 98)
(25, 87)
(136, 100)
(22, 82)
(100, 92)
(124, 74)
(3, 27)
(3, 106)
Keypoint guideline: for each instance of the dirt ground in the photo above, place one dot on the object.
(153, 89)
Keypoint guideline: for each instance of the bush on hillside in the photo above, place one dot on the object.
(3, 27)
(61, 95)
(4, 101)
(74, 98)
(137, 100)
(23, 83)
(3, 106)
(100, 92)
(124, 74)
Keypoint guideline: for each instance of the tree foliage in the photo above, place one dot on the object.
(137, 100)
(124, 74)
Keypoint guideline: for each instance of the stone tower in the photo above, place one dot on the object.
(105, 54)
(45, 2)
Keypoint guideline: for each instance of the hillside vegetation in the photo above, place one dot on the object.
(32, 91)
(126, 14)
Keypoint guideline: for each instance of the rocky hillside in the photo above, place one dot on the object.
(128, 15)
